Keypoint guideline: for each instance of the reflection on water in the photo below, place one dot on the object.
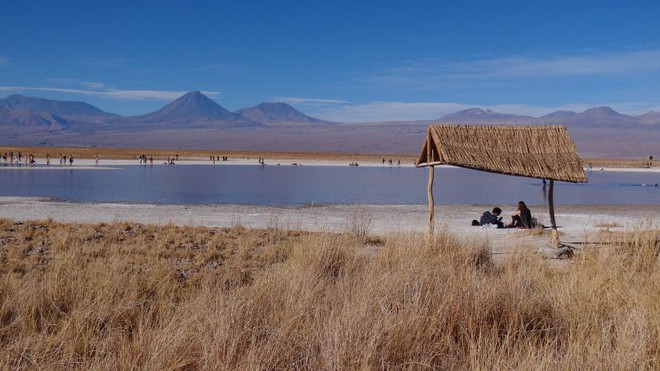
(301, 185)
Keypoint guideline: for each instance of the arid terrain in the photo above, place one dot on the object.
(128, 295)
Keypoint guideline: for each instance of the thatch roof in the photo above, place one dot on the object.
(544, 152)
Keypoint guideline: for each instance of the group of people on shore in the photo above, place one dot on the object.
(521, 218)
(144, 159)
(215, 159)
(391, 163)
(11, 159)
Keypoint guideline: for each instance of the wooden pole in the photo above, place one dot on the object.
(551, 206)
(429, 189)
(431, 202)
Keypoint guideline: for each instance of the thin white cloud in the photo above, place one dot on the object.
(122, 94)
(62, 80)
(103, 62)
(387, 111)
(311, 101)
(434, 71)
(94, 85)
(222, 68)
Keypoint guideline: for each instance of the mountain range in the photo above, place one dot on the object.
(196, 121)
(592, 117)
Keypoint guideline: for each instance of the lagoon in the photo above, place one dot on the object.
(273, 185)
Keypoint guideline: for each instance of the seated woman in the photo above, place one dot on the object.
(521, 218)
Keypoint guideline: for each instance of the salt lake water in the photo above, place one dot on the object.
(307, 185)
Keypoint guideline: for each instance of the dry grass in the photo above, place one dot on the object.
(162, 297)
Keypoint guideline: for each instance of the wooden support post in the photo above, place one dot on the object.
(429, 190)
(551, 206)
(431, 202)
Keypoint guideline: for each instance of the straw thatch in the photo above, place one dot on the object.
(544, 152)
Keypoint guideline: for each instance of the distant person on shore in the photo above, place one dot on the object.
(70, 160)
(47, 159)
(96, 160)
(521, 218)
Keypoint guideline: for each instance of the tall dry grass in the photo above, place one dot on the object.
(133, 296)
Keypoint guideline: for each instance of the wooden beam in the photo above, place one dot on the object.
(551, 207)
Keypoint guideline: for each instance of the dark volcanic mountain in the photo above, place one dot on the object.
(194, 109)
(278, 113)
(479, 116)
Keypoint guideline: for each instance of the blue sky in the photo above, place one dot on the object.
(337, 60)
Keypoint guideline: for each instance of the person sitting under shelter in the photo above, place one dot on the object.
(521, 218)
(489, 218)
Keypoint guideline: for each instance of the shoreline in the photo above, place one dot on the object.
(114, 164)
(575, 222)
(160, 155)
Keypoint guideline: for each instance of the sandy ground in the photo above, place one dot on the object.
(576, 223)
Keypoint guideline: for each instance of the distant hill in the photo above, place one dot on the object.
(22, 120)
(597, 117)
(278, 113)
(479, 116)
(602, 117)
(22, 113)
(55, 107)
(194, 109)
(650, 117)
(559, 115)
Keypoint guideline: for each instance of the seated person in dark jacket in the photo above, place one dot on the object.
(521, 218)
(492, 218)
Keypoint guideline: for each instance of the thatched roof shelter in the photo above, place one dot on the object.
(544, 152)
(541, 151)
